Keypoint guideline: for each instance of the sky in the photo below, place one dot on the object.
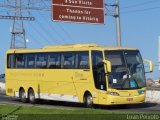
(140, 28)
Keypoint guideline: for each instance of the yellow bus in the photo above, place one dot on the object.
(83, 73)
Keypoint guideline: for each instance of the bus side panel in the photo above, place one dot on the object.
(83, 81)
(16, 79)
(58, 85)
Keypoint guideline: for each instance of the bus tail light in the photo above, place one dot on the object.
(113, 93)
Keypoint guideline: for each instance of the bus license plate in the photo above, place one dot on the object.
(129, 99)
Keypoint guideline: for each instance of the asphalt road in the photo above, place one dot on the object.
(145, 107)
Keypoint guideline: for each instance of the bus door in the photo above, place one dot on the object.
(99, 76)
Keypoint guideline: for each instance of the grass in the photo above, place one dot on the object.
(36, 113)
(22, 109)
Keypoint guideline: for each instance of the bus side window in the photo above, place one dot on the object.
(30, 60)
(20, 61)
(83, 60)
(68, 60)
(54, 60)
(10, 61)
(41, 60)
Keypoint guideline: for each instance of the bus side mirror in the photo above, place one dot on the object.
(108, 65)
(150, 65)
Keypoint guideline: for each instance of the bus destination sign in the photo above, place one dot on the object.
(81, 11)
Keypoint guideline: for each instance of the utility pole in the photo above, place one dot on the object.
(18, 39)
(118, 26)
(20, 6)
(159, 53)
(17, 31)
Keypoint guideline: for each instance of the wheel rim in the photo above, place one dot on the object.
(31, 97)
(89, 101)
(23, 95)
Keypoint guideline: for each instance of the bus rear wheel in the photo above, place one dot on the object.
(31, 96)
(23, 96)
(88, 100)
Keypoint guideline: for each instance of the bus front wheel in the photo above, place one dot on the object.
(88, 100)
(31, 96)
(23, 96)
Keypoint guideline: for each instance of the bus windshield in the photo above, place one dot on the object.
(127, 70)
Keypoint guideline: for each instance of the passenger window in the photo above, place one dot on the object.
(20, 61)
(68, 60)
(41, 61)
(30, 61)
(54, 60)
(10, 61)
(83, 60)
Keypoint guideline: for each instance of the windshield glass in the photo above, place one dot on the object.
(127, 70)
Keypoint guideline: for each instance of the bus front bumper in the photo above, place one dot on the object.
(115, 100)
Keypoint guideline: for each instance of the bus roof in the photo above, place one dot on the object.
(74, 47)
(87, 46)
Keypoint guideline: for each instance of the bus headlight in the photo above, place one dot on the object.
(141, 92)
(113, 93)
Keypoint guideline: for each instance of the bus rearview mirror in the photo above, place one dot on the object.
(150, 65)
(108, 65)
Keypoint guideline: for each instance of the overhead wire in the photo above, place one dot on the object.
(108, 12)
(68, 35)
(49, 32)
(53, 28)
(37, 42)
(141, 10)
(46, 32)
(38, 32)
(123, 9)
(140, 4)
(60, 36)
(44, 38)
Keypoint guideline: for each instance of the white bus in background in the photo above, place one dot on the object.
(2, 83)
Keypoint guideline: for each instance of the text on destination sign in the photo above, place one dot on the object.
(76, 14)
(82, 3)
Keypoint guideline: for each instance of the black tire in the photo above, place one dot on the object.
(88, 100)
(31, 96)
(22, 96)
